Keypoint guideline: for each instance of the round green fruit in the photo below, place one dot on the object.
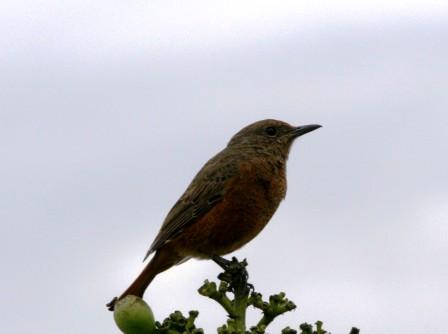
(133, 316)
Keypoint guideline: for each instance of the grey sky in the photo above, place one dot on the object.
(107, 110)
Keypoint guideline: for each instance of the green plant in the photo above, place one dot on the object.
(236, 295)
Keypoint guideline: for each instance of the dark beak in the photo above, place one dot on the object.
(301, 130)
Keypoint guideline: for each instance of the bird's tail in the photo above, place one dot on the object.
(162, 260)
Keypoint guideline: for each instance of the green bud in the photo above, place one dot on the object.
(133, 316)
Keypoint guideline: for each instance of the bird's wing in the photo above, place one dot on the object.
(205, 191)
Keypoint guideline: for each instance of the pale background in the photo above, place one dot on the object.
(108, 109)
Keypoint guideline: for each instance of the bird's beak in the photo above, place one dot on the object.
(301, 130)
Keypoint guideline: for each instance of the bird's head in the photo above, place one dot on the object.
(270, 134)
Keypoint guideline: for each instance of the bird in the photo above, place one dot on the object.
(228, 202)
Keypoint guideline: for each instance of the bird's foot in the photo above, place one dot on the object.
(235, 273)
(222, 262)
(111, 304)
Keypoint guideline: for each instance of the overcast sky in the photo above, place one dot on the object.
(108, 109)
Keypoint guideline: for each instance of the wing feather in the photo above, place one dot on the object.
(205, 191)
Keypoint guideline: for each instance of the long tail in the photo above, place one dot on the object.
(162, 260)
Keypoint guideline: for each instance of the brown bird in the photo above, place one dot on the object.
(227, 204)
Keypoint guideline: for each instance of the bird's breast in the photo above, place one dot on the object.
(250, 199)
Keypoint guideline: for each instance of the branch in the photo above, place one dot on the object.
(277, 305)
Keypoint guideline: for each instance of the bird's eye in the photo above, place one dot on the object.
(271, 131)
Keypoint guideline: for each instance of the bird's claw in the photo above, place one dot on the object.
(222, 262)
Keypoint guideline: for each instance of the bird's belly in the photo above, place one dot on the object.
(233, 222)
